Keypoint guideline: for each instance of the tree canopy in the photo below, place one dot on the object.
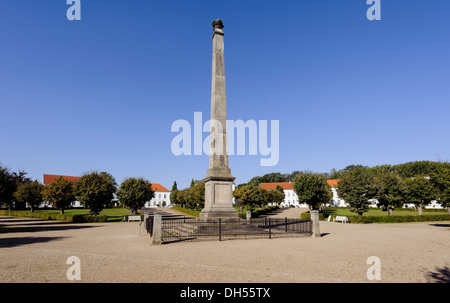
(440, 179)
(420, 191)
(391, 190)
(357, 187)
(60, 193)
(95, 190)
(134, 192)
(312, 189)
(7, 187)
(30, 193)
(192, 197)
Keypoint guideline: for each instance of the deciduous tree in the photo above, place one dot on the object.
(420, 191)
(7, 187)
(440, 179)
(60, 193)
(95, 190)
(134, 192)
(357, 187)
(391, 190)
(312, 189)
(30, 193)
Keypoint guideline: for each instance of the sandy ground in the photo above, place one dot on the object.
(36, 251)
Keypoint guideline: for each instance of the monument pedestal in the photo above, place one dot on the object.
(219, 198)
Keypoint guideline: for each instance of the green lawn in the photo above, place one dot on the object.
(377, 212)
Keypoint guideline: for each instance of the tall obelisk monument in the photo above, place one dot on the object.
(218, 181)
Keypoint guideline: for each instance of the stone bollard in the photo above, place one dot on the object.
(249, 216)
(157, 229)
(315, 223)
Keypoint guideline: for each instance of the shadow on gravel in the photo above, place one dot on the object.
(440, 225)
(41, 227)
(13, 242)
(5, 220)
(441, 275)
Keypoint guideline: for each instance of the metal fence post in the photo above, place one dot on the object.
(285, 222)
(270, 230)
(220, 229)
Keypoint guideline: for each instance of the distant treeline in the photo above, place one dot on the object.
(405, 170)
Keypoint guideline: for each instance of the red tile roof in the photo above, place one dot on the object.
(50, 178)
(271, 186)
(333, 183)
(290, 185)
(158, 187)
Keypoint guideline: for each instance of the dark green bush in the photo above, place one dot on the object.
(385, 219)
(307, 215)
(88, 219)
(53, 216)
(398, 219)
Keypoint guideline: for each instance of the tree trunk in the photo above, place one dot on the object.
(62, 211)
(389, 211)
(448, 210)
(32, 208)
(420, 210)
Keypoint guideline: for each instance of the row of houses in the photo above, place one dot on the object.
(162, 194)
(291, 199)
(161, 197)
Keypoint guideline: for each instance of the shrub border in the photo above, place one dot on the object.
(57, 217)
(386, 219)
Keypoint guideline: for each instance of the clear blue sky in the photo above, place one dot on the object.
(103, 92)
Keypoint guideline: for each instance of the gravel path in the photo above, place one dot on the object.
(36, 251)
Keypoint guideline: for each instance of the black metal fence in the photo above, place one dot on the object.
(181, 229)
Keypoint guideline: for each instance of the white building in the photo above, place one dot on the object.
(291, 199)
(161, 197)
(47, 179)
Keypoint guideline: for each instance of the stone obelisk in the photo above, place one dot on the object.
(218, 181)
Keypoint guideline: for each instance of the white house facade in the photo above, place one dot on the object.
(291, 198)
(161, 197)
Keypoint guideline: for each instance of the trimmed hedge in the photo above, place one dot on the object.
(307, 216)
(56, 217)
(386, 219)
(398, 219)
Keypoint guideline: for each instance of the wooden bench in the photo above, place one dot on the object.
(134, 218)
(342, 219)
